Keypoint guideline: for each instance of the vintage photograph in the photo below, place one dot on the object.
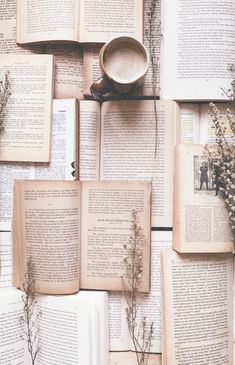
(205, 178)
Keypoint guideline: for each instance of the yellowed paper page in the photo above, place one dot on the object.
(106, 228)
(27, 128)
(200, 222)
(128, 141)
(101, 20)
(46, 20)
(129, 358)
(47, 231)
(198, 308)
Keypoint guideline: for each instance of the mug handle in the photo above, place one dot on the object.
(101, 87)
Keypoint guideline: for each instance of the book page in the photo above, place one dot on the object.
(102, 20)
(106, 226)
(201, 221)
(64, 331)
(190, 123)
(197, 49)
(46, 229)
(149, 304)
(12, 343)
(60, 167)
(68, 80)
(8, 43)
(5, 260)
(128, 141)
(26, 134)
(198, 306)
(92, 70)
(129, 358)
(88, 159)
(47, 20)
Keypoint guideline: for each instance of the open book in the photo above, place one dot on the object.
(78, 20)
(129, 358)
(149, 305)
(74, 233)
(72, 329)
(27, 126)
(200, 219)
(198, 305)
(118, 142)
(196, 124)
(197, 49)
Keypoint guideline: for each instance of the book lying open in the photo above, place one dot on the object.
(197, 49)
(74, 233)
(27, 127)
(73, 329)
(78, 20)
(200, 219)
(118, 142)
(198, 306)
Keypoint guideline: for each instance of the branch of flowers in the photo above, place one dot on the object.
(30, 318)
(153, 36)
(140, 335)
(4, 96)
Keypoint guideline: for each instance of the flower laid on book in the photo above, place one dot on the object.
(4, 96)
(222, 158)
(141, 332)
(30, 318)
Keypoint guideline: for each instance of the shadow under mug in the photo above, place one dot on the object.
(124, 61)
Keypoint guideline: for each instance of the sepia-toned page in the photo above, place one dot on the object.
(129, 358)
(8, 43)
(197, 49)
(198, 308)
(92, 70)
(102, 20)
(60, 167)
(46, 20)
(88, 157)
(128, 142)
(27, 127)
(107, 226)
(189, 123)
(68, 80)
(149, 305)
(46, 231)
(200, 222)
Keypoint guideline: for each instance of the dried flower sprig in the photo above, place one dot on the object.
(140, 331)
(4, 96)
(30, 318)
(153, 36)
(222, 160)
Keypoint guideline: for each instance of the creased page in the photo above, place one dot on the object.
(102, 20)
(107, 226)
(47, 231)
(88, 159)
(198, 305)
(68, 80)
(61, 165)
(64, 330)
(200, 222)
(128, 141)
(46, 20)
(198, 48)
(26, 134)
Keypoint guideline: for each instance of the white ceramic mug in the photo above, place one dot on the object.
(124, 61)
